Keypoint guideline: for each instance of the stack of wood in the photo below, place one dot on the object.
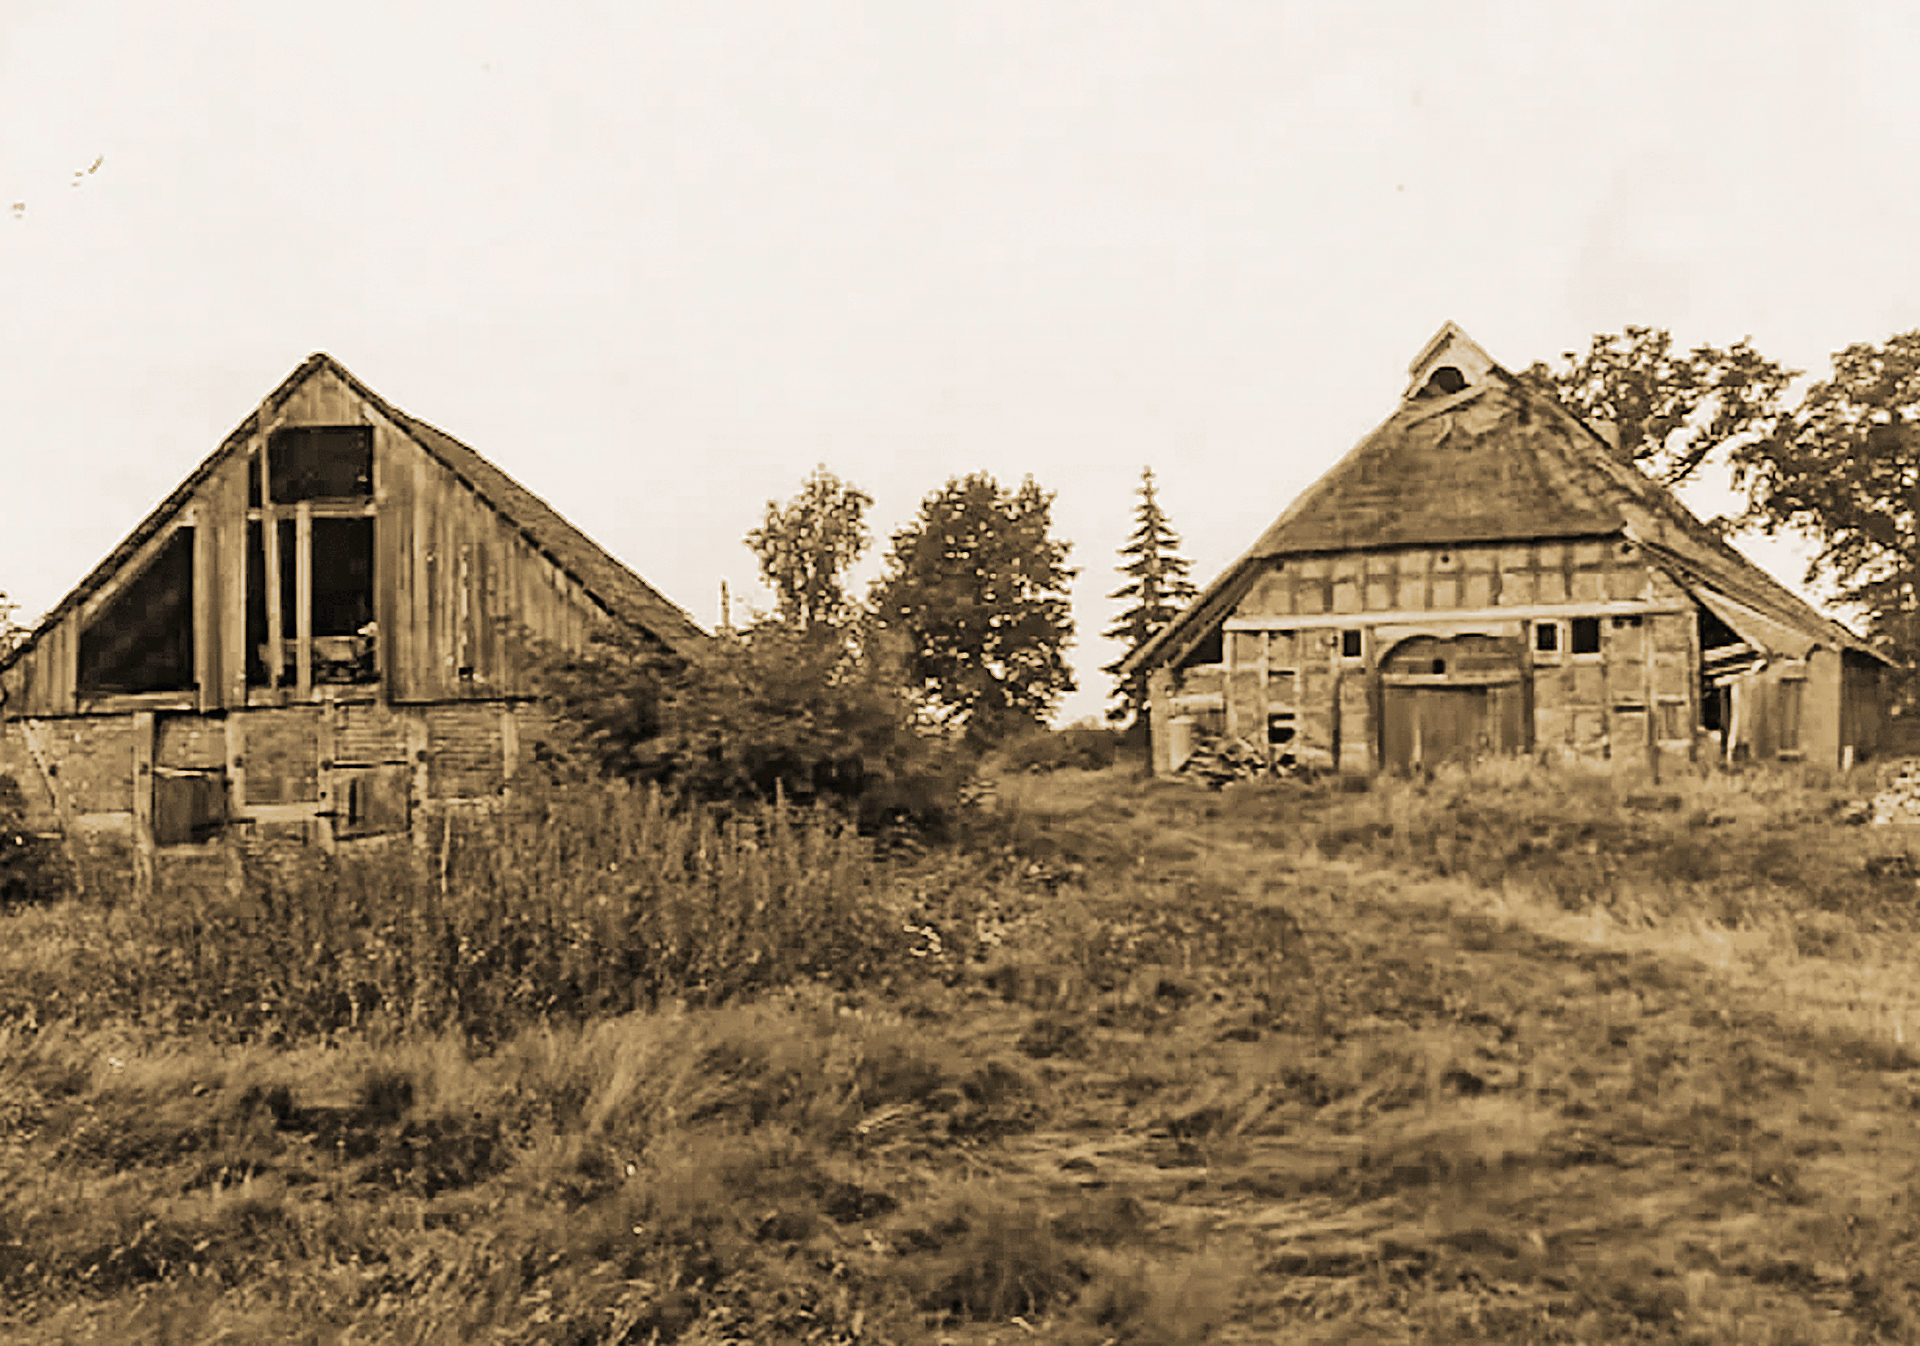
(1216, 761)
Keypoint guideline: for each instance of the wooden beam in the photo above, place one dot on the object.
(270, 541)
(62, 804)
(325, 756)
(1449, 616)
(303, 598)
(206, 634)
(143, 805)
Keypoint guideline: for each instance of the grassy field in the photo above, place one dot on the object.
(1503, 1056)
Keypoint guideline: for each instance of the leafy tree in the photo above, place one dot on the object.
(1672, 408)
(805, 547)
(1158, 587)
(1844, 470)
(11, 633)
(977, 590)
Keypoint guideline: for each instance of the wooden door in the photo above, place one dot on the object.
(1449, 700)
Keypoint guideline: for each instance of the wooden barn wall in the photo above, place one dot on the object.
(1636, 696)
(454, 582)
(460, 585)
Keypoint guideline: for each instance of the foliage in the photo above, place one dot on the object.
(1084, 747)
(770, 712)
(1158, 586)
(590, 899)
(977, 590)
(1844, 469)
(805, 546)
(1672, 409)
(31, 867)
(11, 632)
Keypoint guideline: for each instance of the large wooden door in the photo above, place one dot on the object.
(1450, 700)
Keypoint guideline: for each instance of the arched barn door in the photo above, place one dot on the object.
(1450, 698)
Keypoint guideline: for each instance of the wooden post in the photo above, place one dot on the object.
(143, 805)
(205, 629)
(62, 804)
(324, 755)
(303, 598)
(270, 543)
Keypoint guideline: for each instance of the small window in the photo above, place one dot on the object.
(188, 807)
(1629, 622)
(1280, 727)
(1789, 706)
(1586, 635)
(1439, 665)
(1546, 639)
(320, 462)
(1350, 645)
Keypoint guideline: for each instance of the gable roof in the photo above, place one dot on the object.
(618, 591)
(1475, 455)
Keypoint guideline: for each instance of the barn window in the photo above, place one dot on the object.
(1585, 635)
(141, 639)
(323, 567)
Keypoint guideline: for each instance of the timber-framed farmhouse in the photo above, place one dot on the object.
(317, 638)
(1483, 573)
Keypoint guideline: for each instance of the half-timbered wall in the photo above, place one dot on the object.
(1359, 659)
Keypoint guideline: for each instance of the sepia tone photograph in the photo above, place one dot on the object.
(957, 673)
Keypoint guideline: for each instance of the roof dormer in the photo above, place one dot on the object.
(1450, 363)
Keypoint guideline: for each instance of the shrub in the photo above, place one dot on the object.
(1081, 747)
(31, 868)
(763, 715)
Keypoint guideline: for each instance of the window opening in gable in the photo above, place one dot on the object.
(1585, 635)
(320, 462)
(340, 564)
(141, 640)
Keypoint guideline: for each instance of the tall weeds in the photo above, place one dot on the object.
(585, 900)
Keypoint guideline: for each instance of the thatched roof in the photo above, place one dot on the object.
(1487, 457)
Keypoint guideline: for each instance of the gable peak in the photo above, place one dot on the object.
(1450, 362)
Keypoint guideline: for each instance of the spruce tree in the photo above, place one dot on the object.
(1157, 587)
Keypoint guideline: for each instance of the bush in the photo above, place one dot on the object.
(763, 715)
(31, 868)
(1080, 747)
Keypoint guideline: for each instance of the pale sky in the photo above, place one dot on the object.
(658, 260)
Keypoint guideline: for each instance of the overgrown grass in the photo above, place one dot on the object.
(1143, 1065)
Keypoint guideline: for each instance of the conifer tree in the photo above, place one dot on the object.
(1157, 586)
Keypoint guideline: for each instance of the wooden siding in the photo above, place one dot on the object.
(456, 585)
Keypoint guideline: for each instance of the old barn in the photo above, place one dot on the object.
(1484, 574)
(321, 637)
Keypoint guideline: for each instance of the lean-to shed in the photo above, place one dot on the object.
(1483, 573)
(319, 637)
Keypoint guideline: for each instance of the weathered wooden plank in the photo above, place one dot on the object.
(142, 774)
(303, 599)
